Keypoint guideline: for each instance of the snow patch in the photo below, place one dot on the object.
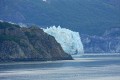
(22, 25)
(45, 0)
(69, 40)
(1, 20)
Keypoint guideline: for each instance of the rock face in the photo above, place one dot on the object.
(32, 43)
(108, 43)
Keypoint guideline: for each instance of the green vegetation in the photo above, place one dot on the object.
(3, 37)
(30, 34)
(9, 38)
(4, 25)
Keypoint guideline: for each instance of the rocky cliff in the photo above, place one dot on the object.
(20, 43)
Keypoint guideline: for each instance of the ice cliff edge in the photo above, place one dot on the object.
(69, 40)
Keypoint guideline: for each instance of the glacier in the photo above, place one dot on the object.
(70, 40)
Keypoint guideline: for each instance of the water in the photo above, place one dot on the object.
(87, 67)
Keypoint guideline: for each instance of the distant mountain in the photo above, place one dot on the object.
(20, 43)
(91, 17)
(113, 32)
(108, 43)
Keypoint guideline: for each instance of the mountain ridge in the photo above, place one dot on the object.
(84, 16)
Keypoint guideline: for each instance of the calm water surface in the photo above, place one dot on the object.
(86, 67)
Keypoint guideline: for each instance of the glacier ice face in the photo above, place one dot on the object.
(69, 40)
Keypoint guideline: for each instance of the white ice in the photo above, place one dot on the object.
(69, 40)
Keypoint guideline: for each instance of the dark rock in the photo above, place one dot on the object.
(32, 43)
